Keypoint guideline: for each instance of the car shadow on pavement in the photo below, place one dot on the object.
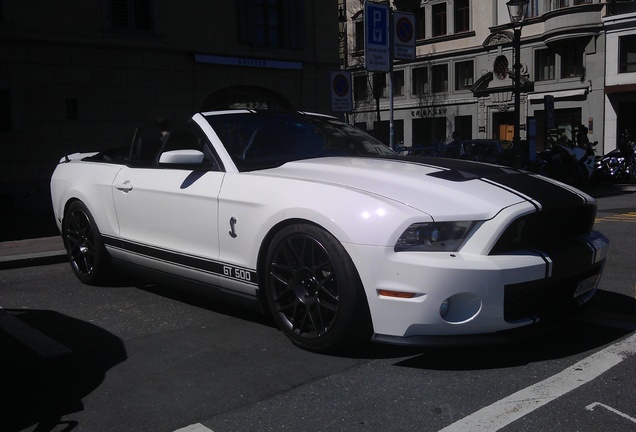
(230, 306)
(608, 317)
(49, 363)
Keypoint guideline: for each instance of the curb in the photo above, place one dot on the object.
(32, 252)
(33, 259)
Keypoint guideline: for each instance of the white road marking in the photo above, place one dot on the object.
(523, 402)
(591, 407)
(33, 338)
(197, 427)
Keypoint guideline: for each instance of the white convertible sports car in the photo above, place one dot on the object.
(331, 232)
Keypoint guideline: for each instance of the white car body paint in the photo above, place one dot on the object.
(211, 225)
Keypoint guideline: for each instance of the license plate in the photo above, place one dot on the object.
(587, 285)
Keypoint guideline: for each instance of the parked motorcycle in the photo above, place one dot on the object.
(617, 166)
(568, 163)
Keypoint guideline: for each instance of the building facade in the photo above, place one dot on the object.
(620, 71)
(80, 76)
(459, 85)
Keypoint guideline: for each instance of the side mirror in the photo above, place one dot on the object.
(181, 157)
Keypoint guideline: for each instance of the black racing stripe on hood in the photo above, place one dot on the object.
(547, 194)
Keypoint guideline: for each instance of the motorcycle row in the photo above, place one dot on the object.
(576, 163)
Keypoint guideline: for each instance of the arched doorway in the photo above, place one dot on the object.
(246, 97)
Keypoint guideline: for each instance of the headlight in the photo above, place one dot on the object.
(435, 236)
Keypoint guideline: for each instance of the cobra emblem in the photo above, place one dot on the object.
(232, 227)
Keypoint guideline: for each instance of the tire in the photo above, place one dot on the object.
(313, 290)
(84, 246)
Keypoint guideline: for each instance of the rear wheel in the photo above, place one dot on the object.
(84, 246)
(313, 289)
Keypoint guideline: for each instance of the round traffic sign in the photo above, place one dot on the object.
(404, 30)
(340, 85)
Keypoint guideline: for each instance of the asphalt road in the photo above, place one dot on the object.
(131, 357)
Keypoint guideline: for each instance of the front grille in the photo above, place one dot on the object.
(546, 226)
(543, 298)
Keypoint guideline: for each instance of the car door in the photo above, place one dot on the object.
(167, 215)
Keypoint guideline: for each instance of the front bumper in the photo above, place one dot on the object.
(480, 294)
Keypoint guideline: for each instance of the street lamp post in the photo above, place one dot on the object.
(342, 34)
(517, 10)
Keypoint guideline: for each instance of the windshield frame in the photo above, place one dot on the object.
(259, 140)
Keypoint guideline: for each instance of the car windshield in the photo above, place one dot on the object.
(260, 140)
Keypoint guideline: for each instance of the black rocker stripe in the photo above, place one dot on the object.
(224, 270)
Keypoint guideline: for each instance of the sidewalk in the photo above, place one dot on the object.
(31, 252)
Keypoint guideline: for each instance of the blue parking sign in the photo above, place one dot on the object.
(376, 46)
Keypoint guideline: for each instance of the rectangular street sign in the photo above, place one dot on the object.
(341, 97)
(376, 37)
(403, 35)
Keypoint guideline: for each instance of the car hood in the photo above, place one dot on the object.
(445, 188)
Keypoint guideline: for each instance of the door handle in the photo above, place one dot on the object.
(124, 187)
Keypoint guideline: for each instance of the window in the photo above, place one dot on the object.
(5, 111)
(360, 92)
(463, 75)
(544, 65)
(379, 85)
(398, 83)
(274, 23)
(627, 53)
(533, 9)
(359, 29)
(572, 61)
(382, 131)
(566, 3)
(267, 22)
(132, 15)
(420, 24)
(420, 80)
(439, 19)
(463, 127)
(462, 16)
(72, 109)
(440, 78)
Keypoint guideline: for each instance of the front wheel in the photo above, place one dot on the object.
(84, 246)
(313, 290)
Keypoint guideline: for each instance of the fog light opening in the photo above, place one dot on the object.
(444, 308)
(460, 308)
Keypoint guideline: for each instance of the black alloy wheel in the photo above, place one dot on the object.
(84, 244)
(313, 289)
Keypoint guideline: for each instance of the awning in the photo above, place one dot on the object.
(562, 94)
(620, 88)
